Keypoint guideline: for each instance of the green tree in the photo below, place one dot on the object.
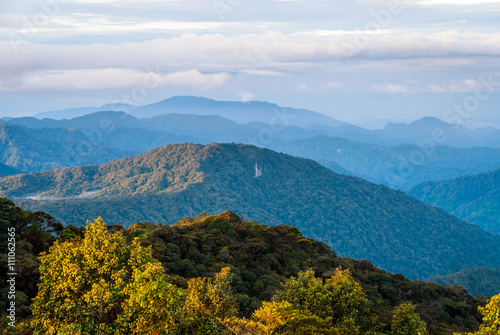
(406, 321)
(337, 306)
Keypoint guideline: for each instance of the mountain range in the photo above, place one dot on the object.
(423, 130)
(475, 199)
(29, 150)
(357, 218)
(477, 281)
(400, 165)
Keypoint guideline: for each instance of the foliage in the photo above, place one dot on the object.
(153, 303)
(491, 318)
(207, 302)
(263, 257)
(266, 320)
(34, 233)
(406, 322)
(339, 303)
(93, 276)
(260, 257)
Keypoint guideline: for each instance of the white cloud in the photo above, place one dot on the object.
(302, 87)
(453, 2)
(246, 96)
(267, 73)
(270, 54)
(334, 84)
(436, 2)
(468, 85)
(390, 88)
(101, 79)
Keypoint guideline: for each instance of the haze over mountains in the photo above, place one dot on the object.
(426, 129)
(357, 218)
(399, 156)
(474, 198)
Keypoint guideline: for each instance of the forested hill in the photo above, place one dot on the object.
(477, 281)
(28, 150)
(6, 170)
(357, 218)
(474, 198)
(261, 258)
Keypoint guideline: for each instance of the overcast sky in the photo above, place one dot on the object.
(365, 62)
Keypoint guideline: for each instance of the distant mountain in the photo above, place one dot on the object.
(105, 120)
(125, 132)
(433, 130)
(31, 151)
(475, 199)
(477, 281)
(421, 132)
(6, 170)
(358, 218)
(71, 113)
(402, 166)
(399, 167)
(241, 112)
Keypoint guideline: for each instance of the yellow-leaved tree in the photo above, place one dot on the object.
(208, 301)
(265, 321)
(102, 285)
(491, 317)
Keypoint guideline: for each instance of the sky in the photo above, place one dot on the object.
(367, 62)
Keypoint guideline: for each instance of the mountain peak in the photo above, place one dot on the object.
(430, 121)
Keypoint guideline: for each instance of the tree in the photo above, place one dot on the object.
(491, 317)
(153, 303)
(265, 321)
(208, 301)
(407, 322)
(87, 285)
(337, 306)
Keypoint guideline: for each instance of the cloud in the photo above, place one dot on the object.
(334, 84)
(390, 88)
(267, 73)
(468, 85)
(203, 61)
(101, 79)
(436, 2)
(246, 96)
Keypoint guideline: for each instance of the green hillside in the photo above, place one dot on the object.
(399, 167)
(477, 281)
(6, 170)
(32, 151)
(475, 199)
(261, 258)
(357, 218)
